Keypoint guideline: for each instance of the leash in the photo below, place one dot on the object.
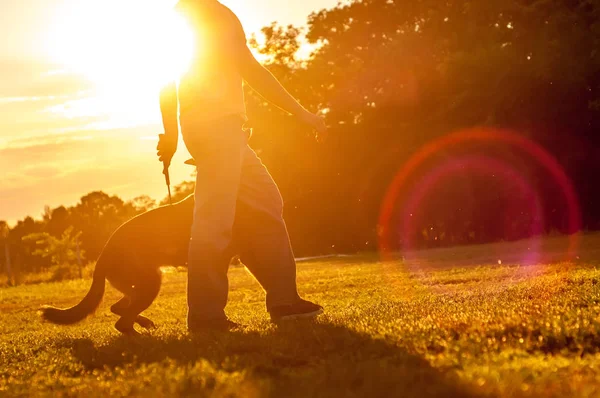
(166, 165)
(168, 181)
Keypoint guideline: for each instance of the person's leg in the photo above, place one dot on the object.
(218, 150)
(263, 244)
(262, 237)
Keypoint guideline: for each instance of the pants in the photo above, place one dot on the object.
(238, 209)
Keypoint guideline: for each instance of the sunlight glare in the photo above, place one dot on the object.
(127, 48)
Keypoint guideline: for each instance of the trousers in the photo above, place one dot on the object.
(238, 210)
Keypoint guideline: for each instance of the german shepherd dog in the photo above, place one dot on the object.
(131, 262)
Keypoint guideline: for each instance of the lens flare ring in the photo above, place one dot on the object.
(483, 135)
(473, 164)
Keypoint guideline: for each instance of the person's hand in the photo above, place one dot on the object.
(167, 146)
(316, 122)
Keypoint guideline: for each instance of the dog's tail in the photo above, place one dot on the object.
(86, 307)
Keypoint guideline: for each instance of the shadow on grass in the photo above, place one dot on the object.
(298, 359)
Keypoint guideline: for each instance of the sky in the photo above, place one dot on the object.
(78, 105)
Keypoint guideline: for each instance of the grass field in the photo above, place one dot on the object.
(447, 322)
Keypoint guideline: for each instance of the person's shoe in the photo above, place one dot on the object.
(219, 325)
(301, 309)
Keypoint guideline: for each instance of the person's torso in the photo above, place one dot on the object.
(212, 86)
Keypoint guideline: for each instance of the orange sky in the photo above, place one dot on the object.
(77, 118)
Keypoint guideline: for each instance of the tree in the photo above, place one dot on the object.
(60, 251)
(97, 216)
(57, 220)
(394, 76)
(142, 204)
(21, 252)
(5, 252)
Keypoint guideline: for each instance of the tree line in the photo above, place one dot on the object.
(393, 78)
(396, 79)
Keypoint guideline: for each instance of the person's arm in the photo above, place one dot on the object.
(263, 81)
(167, 145)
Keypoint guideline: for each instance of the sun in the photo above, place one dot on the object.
(128, 46)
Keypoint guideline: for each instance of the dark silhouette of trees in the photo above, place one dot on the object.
(5, 259)
(393, 77)
(36, 245)
(61, 251)
(97, 216)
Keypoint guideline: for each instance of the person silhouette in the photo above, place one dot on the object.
(238, 206)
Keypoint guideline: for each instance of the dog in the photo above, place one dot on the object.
(131, 261)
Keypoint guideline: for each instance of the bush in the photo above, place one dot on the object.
(64, 272)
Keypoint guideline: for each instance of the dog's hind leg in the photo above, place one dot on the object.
(120, 308)
(142, 295)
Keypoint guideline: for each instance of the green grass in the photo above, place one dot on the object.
(456, 324)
